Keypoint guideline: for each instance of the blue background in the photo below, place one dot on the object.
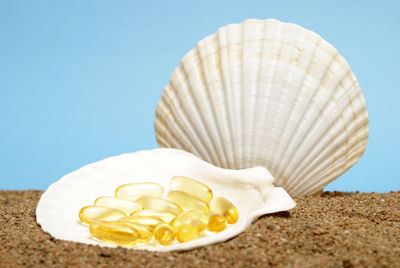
(80, 80)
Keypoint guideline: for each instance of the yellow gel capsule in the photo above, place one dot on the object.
(165, 216)
(150, 221)
(164, 234)
(133, 191)
(159, 204)
(145, 234)
(193, 217)
(115, 232)
(216, 222)
(188, 202)
(224, 207)
(92, 214)
(124, 205)
(192, 187)
(186, 233)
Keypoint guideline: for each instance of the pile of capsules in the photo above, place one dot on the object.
(138, 213)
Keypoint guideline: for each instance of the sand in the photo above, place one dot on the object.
(336, 229)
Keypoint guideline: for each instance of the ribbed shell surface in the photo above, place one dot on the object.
(267, 93)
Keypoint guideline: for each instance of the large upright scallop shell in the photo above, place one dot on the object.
(267, 93)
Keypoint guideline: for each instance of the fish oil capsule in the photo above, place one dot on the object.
(150, 221)
(145, 234)
(193, 217)
(124, 205)
(187, 232)
(224, 207)
(115, 232)
(164, 234)
(133, 191)
(188, 202)
(92, 214)
(192, 187)
(165, 216)
(159, 204)
(216, 222)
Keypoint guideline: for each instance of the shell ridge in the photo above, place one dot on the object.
(204, 139)
(319, 181)
(161, 126)
(160, 121)
(354, 86)
(324, 167)
(266, 115)
(257, 89)
(308, 134)
(257, 99)
(322, 158)
(214, 118)
(246, 85)
(300, 141)
(164, 105)
(328, 129)
(276, 117)
(345, 124)
(242, 31)
(216, 158)
(298, 172)
(231, 33)
(287, 145)
(184, 117)
(358, 96)
(162, 140)
(356, 118)
(225, 87)
(286, 90)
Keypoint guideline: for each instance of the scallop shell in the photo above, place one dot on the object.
(250, 190)
(267, 93)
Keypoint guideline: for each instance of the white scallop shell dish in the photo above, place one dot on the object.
(250, 190)
(267, 93)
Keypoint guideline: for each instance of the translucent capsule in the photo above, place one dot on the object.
(159, 204)
(188, 202)
(145, 234)
(187, 232)
(216, 222)
(194, 218)
(92, 214)
(133, 191)
(225, 208)
(192, 187)
(124, 205)
(150, 221)
(115, 232)
(165, 216)
(164, 234)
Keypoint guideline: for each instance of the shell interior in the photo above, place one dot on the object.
(250, 190)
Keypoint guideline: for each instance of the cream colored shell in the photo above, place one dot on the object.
(267, 93)
(250, 190)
